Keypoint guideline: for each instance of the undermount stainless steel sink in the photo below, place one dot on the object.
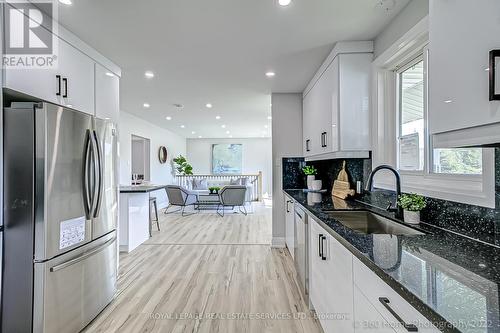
(369, 223)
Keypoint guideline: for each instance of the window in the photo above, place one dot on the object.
(413, 142)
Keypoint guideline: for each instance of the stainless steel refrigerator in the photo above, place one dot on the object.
(60, 217)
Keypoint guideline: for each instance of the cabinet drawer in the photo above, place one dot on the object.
(384, 299)
(367, 318)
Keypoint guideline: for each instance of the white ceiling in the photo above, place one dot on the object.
(217, 51)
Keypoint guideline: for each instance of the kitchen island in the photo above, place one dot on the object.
(134, 215)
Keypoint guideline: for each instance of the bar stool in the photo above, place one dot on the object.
(152, 201)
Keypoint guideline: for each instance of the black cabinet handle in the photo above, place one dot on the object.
(287, 209)
(323, 139)
(323, 257)
(319, 245)
(385, 302)
(58, 78)
(65, 81)
(307, 145)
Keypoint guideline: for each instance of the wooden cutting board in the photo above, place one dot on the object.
(341, 187)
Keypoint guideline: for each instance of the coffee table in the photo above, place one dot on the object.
(206, 200)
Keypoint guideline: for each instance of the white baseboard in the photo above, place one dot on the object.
(278, 242)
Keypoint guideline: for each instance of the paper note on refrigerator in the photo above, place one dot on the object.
(71, 232)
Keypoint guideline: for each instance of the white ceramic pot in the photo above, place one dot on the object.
(313, 198)
(411, 217)
(310, 179)
(316, 185)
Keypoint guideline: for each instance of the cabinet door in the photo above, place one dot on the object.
(331, 281)
(458, 63)
(289, 225)
(354, 101)
(329, 120)
(376, 291)
(107, 94)
(313, 119)
(367, 318)
(306, 124)
(77, 71)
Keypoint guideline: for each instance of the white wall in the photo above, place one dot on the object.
(287, 142)
(415, 11)
(160, 173)
(256, 157)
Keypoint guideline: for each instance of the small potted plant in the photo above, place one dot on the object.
(310, 171)
(412, 204)
(214, 189)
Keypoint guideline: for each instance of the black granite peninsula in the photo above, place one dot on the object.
(452, 280)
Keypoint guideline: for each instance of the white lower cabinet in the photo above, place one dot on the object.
(330, 281)
(366, 317)
(289, 225)
(388, 304)
(349, 297)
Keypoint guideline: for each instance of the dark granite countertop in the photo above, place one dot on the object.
(447, 277)
(141, 188)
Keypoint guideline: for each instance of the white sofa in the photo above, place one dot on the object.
(221, 183)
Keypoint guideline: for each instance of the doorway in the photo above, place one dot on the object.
(140, 159)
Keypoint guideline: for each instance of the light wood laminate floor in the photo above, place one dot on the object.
(204, 273)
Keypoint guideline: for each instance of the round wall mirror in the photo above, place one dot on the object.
(162, 154)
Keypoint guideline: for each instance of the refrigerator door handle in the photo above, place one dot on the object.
(99, 183)
(95, 174)
(84, 256)
(86, 175)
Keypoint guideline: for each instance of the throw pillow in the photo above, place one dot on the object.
(200, 184)
(243, 181)
(234, 181)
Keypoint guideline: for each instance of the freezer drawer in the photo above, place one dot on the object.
(72, 289)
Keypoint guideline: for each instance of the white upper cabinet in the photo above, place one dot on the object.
(461, 34)
(336, 104)
(107, 94)
(77, 79)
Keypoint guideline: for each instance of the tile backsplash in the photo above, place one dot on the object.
(473, 221)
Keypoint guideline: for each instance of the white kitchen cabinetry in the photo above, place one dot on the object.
(77, 82)
(336, 104)
(366, 317)
(107, 94)
(70, 84)
(461, 35)
(330, 280)
(289, 225)
(387, 302)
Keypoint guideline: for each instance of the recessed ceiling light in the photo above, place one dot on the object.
(149, 74)
(208, 105)
(66, 2)
(448, 101)
(217, 117)
(110, 74)
(265, 126)
(199, 136)
(168, 118)
(182, 126)
(230, 136)
(269, 117)
(284, 2)
(146, 105)
(270, 74)
(227, 132)
(193, 132)
(223, 126)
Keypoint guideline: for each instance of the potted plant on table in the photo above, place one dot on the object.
(214, 189)
(412, 204)
(310, 172)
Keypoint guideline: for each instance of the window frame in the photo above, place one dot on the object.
(470, 189)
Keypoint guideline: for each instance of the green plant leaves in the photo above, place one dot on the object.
(182, 166)
(412, 202)
(309, 170)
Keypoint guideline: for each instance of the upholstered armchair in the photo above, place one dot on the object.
(232, 196)
(180, 197)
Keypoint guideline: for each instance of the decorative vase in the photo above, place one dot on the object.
(310, 179)
(411, 217)
(316, 185)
